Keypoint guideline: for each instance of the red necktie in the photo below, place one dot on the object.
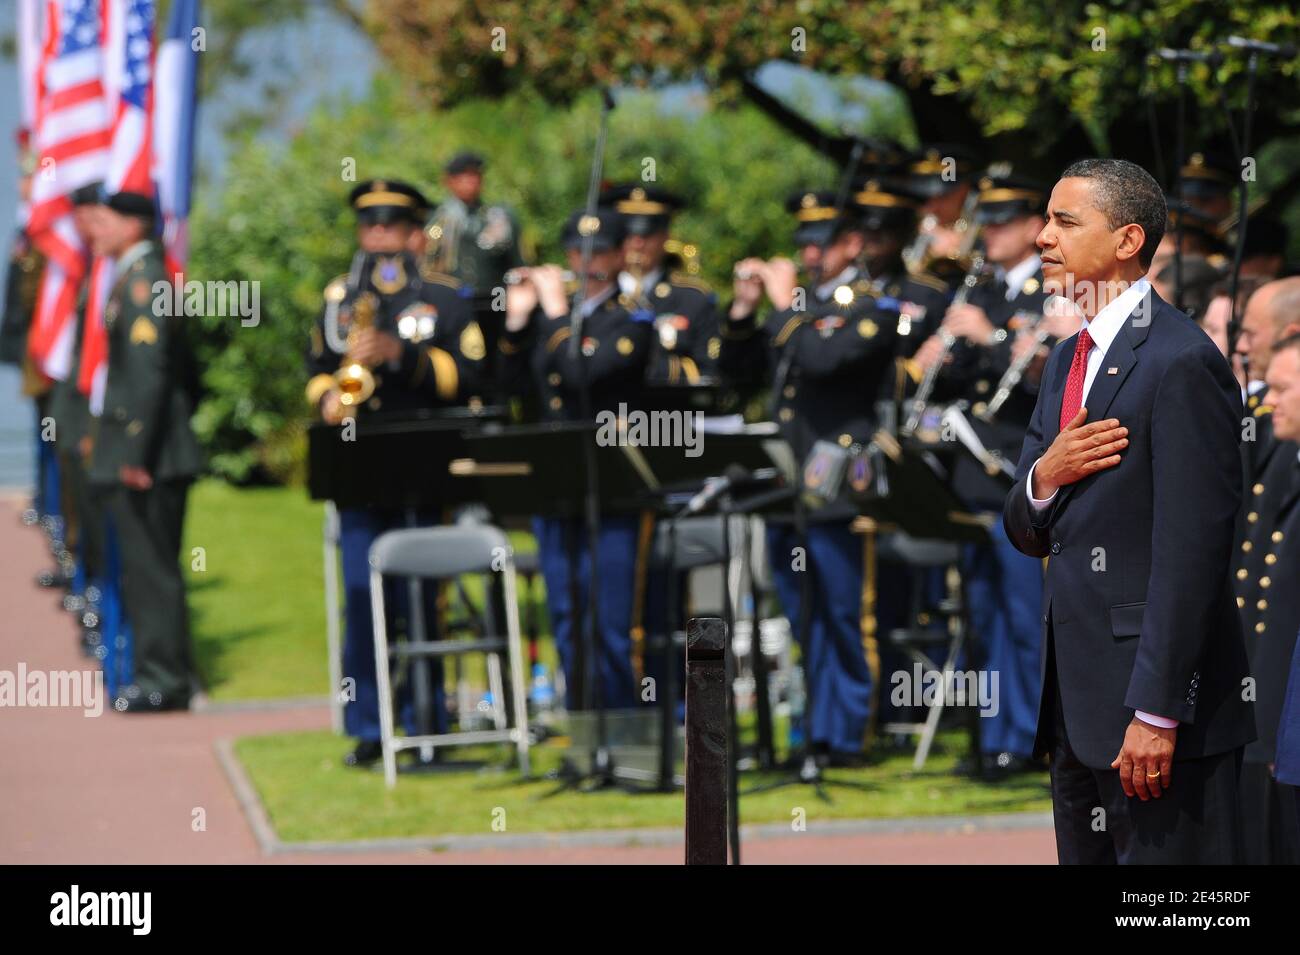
(1073, 399)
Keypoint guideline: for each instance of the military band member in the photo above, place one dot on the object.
(998, 321)
(1281, 611)
(888, 218)
(1207, 181)
(413, 331)
(684, 308)
(145, 455)
(943, 175)
(1265, 561)
(826, 352)
(469, 239)
(613, 357)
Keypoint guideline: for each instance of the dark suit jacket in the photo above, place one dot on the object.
(1157, 628)
(1288, 729)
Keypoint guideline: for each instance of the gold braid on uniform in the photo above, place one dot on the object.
(644, 538)
(788, 329)
(446, 377)
(691, 371)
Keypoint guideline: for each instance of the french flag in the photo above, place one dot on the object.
(71, 139)
(128, 93)
(175, 108)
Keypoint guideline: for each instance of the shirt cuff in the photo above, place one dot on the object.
(1163, 722)
(1034, 503)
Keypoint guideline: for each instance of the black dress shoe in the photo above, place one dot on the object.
(368, 751)
(131, 699)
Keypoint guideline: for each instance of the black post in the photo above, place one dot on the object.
(706, 742)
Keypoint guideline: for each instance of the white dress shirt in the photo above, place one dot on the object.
(628, 283)
(1103, 328)
(1016, 276)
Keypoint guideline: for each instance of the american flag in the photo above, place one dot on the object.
(71, 139)
(128, 88)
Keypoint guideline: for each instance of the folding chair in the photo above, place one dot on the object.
(438, 553)
(921, 643)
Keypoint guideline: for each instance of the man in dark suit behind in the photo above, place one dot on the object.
(1128, 482)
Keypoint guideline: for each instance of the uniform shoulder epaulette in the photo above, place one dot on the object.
(336, 288)
(429, 274)
(686, 280)
(930, 281)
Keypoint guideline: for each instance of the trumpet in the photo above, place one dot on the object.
(356, 383)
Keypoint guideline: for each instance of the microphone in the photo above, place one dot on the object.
(1212, 57)
(734, 476)
(1285, 51)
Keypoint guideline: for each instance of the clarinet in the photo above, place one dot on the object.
(926, 387)
(1014, 373)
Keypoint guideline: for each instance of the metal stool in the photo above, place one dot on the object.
(437, 553)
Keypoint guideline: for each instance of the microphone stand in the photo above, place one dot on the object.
(602, 764)
(1234, 323)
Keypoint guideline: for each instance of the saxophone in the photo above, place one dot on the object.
(356, 383)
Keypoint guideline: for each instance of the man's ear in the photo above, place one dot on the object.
(1131, 239)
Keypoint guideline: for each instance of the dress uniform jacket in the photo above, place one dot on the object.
(829, 364)
(973, 376)
(616, 348)
(686, 346)
(1265, 586)
(922, 300)
(443, 348)
(21, 286)
(476, 245)
(150, 388)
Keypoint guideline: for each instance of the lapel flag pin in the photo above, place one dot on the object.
(1112, 371)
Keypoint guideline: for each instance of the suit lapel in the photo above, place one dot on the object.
(1121, 356)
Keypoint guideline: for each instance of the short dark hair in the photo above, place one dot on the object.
(1126, 193)
(1291, 341)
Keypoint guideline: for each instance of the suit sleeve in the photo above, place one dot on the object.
(1026, 529)
(148, 343)
(1196, 473)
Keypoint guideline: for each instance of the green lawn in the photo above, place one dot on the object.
(311, 796)
(259, 630)
(258, 610)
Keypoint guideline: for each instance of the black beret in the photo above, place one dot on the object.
(91, 194)
(464, 161)
(132, 204)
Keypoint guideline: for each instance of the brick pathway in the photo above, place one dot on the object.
(124, 789)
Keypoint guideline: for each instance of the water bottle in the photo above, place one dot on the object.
(541, 694)
(797, 702)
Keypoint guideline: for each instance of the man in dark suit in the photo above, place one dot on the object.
(1129, 483)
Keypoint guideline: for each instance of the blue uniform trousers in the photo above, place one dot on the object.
(1005, 591)
(841, 662)
(557, 539)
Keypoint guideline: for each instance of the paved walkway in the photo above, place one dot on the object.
(127, 789)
